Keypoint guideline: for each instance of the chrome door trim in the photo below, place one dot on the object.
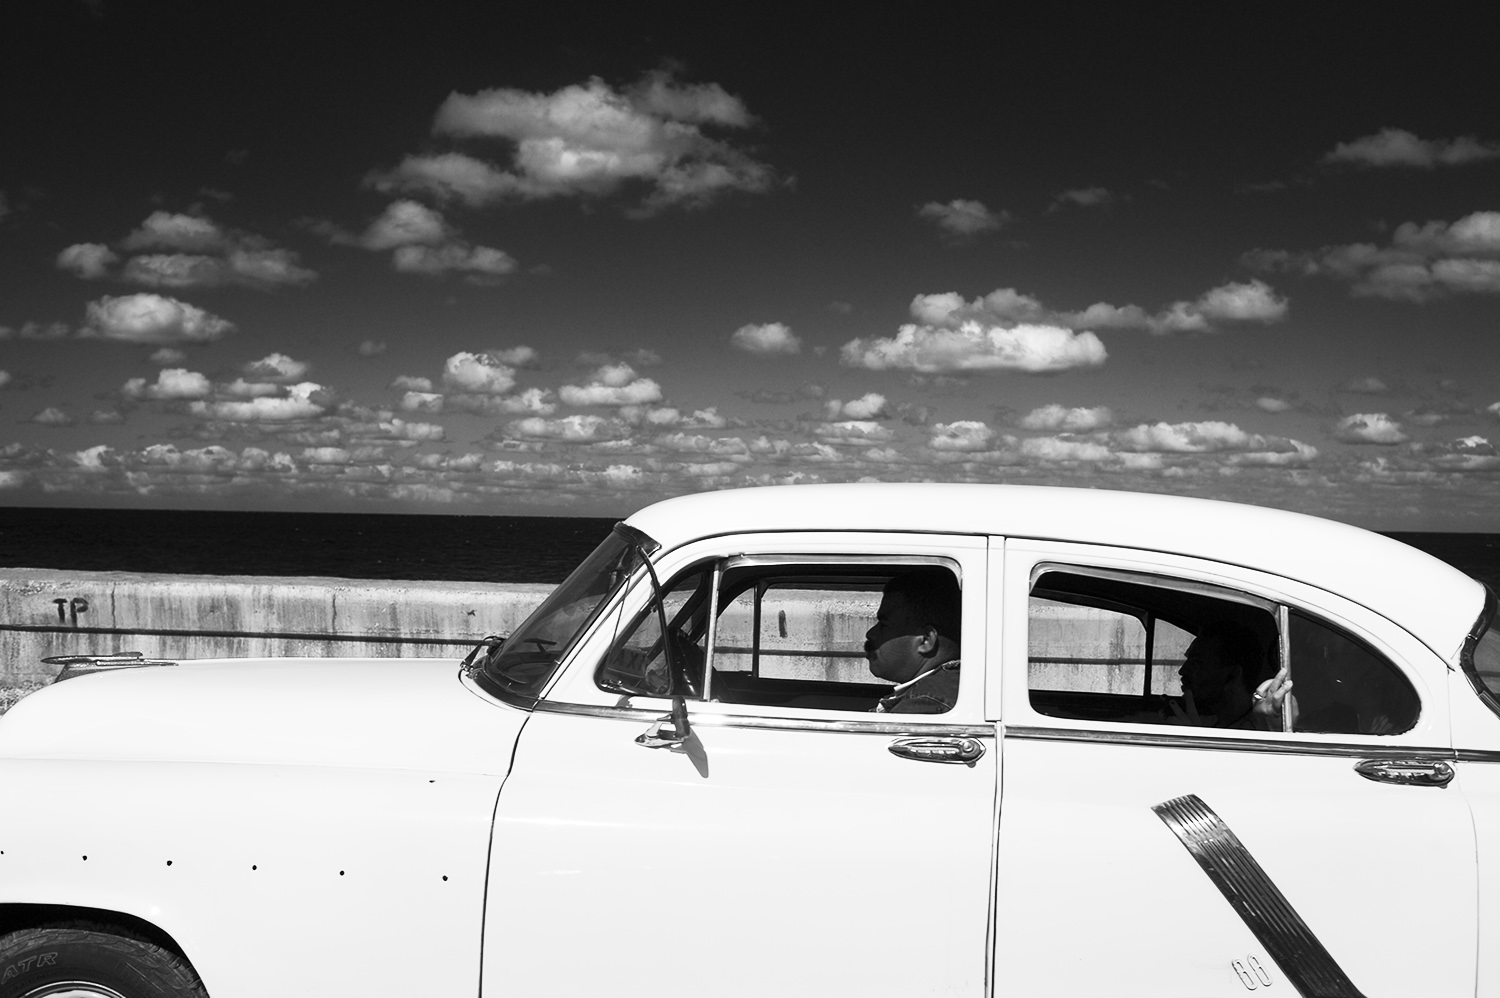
(1272, 744)
(714, 720)
(1266, 912)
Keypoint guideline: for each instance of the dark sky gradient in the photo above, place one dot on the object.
(1135, 157)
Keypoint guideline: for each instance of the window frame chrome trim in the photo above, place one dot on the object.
(1272, 745)
(761, 721)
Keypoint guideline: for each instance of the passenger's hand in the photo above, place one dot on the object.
(1271, 697)
(1185, 711)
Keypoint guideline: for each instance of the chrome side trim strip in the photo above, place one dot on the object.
(1274, 743)
(1309, 967)
(1477, 755)
(704, 720)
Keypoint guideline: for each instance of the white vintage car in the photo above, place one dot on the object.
(590, 808)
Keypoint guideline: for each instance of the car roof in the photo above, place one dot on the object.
(1431, 599)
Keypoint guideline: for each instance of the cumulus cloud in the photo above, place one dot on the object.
(589, 140)
(1186, 438)
(766, 340)
(371, 348)
(1269, 403)
(52, 416)
(1398, 147)
(1252, 301)
(613, 384)
(276, 367)
(577, 428)
(302, 401)
(87, 260)
(871, 405)
(974, 347)
(183, 251)
(962, 218)
(1055, 417)
(406, 223)
(1422, 261)
(168, 356)
(479, 373)
(417, 401)
(1370, 428)
(172, 384)
(962, 435)
(854, 431)
(408, 383)
(148, 318)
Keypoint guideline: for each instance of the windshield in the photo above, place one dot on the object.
(533, 651)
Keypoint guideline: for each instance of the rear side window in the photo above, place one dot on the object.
(1114, 646)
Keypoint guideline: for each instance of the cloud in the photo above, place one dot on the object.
(87, 260)
(303, 401)
(567, 429)
(1252, 301)
(148, 318)
(962, 218)
(1269, 403)
(1370, 385)
(973, 347)
(871, 405)
(52, 416)
(183, 251)
(276, 367)
(1370, 428)
(1055, 417)
(963, 435)
(168, 356)
(167, 230)
(588, 140)
(853, 431)
(406, 223)
(613, 384)
(1082, 197)
(1422, 262)
(522, 356)
(1193, 438)
(371, 348)
(172, 384)
(1396, 147)
(409, 383)
(476, 263)
(478, 373)
(766, 340)
(418, 401)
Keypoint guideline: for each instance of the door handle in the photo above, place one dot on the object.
(1406, 772)
(965, 751)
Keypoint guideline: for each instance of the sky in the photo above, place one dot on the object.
(571, 259)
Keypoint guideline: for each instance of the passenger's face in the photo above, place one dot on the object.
(892, 644)
(1205, 674)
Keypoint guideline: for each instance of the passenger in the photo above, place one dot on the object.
(1219, 665)
(915, 642)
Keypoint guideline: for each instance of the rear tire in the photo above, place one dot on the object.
(83, 960)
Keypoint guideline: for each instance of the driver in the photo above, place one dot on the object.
(914, 642)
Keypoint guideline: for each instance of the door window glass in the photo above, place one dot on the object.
(790, 635)
(1113, 646)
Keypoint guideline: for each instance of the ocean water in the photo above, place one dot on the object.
(389, 546)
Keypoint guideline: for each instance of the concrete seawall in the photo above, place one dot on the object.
(45, 612)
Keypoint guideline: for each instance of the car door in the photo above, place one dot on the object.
(1138, 857)
(794, 842)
